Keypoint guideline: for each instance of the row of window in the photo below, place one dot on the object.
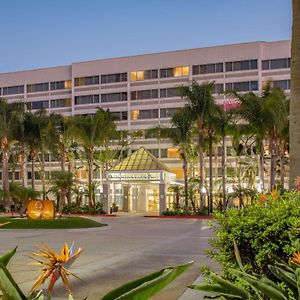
(164, 93)
(152, 113)
(44, 104)
(278, 63)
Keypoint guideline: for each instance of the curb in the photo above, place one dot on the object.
(181, 217)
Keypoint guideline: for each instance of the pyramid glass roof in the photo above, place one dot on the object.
(140, 160)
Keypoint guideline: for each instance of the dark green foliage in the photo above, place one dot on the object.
(145, 287)
(63, 223)
(84, 209)
(183, 212)
(259, 230)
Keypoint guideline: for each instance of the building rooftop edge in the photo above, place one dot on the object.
(140, 55)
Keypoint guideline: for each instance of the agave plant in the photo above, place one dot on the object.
(262, 287)
(55, 266)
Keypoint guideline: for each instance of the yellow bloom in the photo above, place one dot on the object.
(296, 258)
(55, 266)
(274, 195)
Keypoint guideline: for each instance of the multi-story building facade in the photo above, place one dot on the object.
(141, 91)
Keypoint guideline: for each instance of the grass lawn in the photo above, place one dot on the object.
(63, 223)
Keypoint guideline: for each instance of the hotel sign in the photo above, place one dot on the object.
(126, 176)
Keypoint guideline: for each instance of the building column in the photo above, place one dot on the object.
(162, 198)
(126, 200)
(105, 198)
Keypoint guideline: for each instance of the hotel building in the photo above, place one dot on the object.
(141, 91)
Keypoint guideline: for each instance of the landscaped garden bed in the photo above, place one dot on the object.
(62, 223)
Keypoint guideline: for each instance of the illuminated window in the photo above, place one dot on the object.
(181, 71)
(175, 72)
(178, 172)
(68, 84)
(134, 115)
(173, 153)
(143, 75)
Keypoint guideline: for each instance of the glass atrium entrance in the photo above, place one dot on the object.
(139, 183)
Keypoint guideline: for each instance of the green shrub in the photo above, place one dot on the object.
(259, 229)
(84, 209)
(184, 212)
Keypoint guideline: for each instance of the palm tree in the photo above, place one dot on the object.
(180, 134)
(251, 110)
(295, 97)
(224, 125)
(11, 122)
(200, 99)
(276, 115)
(62, 182)
(90, 131)
(35, 136)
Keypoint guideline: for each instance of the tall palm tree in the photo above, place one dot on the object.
(11, 122)
(180, 134)
(61, 182)
(295, 97)
(200, 99)
(276, 115)
(90, 131)
(224, 125)
(35, 136)
(251, 110)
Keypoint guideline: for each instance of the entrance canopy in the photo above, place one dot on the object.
(141, 166)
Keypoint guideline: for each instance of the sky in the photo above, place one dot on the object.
(48, 33)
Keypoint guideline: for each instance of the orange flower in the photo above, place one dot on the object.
(297, 183)
(274, 195)
(296, 258)
(55, 266)
(263, 197)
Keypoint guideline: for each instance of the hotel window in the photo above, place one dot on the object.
(89, 80)
(167, 112)
(57, 103)
(278, 63)
(61, 85)
(143, 75)
(241, 65)
(38, 87)
(175, 72)
(170, 92)
(12, 90)
(38, 104)
(144, 114)
(88, 99)
(112, 78)
(163, 153)
(154, 152)
(119, 115)
(145, 94)
(218, 88)
(282, 84)
(208, 68)
(243, 86)
(172, 153)
(114, 97)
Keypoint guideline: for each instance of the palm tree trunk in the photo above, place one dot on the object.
(273, 165)
(32, 156)
(295, 97)
(23, 168)
(90, 163)
(185, 175)
(62, 156)
(201, 167)
(5, 180)
(210, 200)
(262, 166)
(224, 173)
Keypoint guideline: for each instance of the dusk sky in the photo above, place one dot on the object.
(48, 33)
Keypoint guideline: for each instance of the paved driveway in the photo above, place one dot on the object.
(129, 247)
